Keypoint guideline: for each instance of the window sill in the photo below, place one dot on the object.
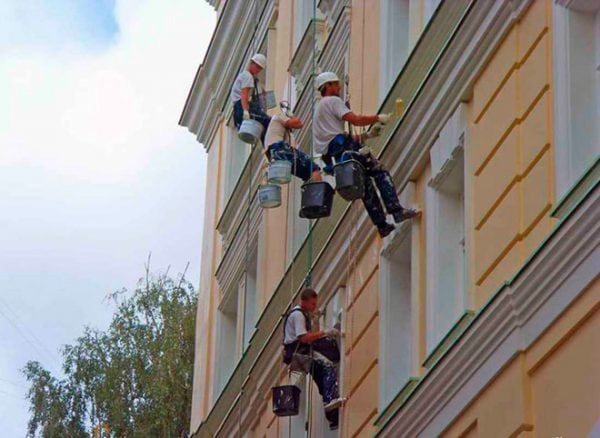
(397, 401)
(590, 178)
(449, 339)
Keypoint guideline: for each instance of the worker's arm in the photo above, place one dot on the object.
(311, 337)
(360, 120)
(293, 123)
(245, 97)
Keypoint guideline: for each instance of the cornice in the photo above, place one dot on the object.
(225, 57)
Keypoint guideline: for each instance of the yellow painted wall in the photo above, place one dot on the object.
(511, 159)
(550, 390)
(361, 350)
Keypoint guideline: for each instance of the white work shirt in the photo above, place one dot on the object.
(328, 122)
(276, 130)
(244, 80)
(295, 326)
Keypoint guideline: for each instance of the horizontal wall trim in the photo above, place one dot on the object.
(356, 339)
(514, 69)
(362, 378)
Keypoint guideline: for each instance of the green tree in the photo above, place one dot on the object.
(132, 380)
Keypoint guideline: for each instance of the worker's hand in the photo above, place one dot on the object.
(246, 115)
(332, 333)
(375, 131)
(384, 118)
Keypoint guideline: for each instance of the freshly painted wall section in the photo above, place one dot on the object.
(511, 158)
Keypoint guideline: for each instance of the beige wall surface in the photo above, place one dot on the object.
(510, 158)
(550, 390)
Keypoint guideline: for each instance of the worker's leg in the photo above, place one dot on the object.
(373, 204)
(238, 114)
(325, 377)
(387, 189)
(302, 166)
(259, 115)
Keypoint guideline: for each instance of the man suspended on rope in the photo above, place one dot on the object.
(334, 143)
(279, 145)
(314, 352)
(246, 92)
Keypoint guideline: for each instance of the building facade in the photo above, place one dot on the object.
(478, 319)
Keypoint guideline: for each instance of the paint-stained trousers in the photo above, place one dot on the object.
(343, 148)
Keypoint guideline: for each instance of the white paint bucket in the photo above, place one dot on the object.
(269, 196)
(280, 172)
(250, 131)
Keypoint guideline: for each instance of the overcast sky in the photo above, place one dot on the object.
(94, 171)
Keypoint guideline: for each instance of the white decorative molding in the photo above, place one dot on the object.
(225, 57)
(310, 46)
(448, 147)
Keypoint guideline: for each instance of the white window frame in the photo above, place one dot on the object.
(394, 41)
(568, 169)
(235, 157)
(398, 320)
(303, 14)
(227, 337)
(448, 169)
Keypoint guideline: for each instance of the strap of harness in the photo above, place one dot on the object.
(306, 319)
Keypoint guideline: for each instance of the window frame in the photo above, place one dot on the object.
(567, 172)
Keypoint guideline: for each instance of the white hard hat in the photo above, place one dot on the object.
(260, 60)
(326, 77)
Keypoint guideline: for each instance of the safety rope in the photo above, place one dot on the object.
(247, 258)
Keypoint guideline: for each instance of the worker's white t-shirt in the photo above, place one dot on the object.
(244, 80)
(295, 326)
(276, 130)
(328, 122)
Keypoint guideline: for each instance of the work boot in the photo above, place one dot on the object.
(385, 229)
(333, 404)
(404, 214)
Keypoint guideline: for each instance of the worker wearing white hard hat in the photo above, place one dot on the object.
(246, 91)
(279, 146)
(332, 141)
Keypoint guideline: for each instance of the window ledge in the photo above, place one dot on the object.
(449, 339)
(590, 178)
(397, 401)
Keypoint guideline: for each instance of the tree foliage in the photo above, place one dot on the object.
(132, 380)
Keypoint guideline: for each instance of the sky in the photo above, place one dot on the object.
(95, 172)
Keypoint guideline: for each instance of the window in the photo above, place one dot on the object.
(234, 159)
(393, 42)
(303, 13)
(248, 287)
(330, 318)
(297, 227)
(577, 93)
(236, 319)
(226, 352)
(395, 309)
(445, 232)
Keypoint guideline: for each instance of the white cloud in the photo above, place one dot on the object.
(94, 170)
(101, 117)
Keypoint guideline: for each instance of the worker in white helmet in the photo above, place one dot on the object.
(278, 144)
(245, 94)
(331, 140)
